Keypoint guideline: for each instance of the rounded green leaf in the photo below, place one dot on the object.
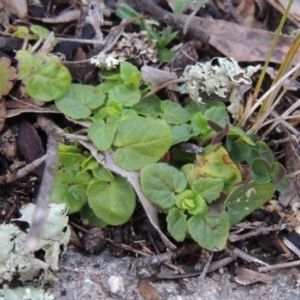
(149, 106)
(49, 82)
(113, 202)
(261, 167)
(160, 182)
(141, 141)
(283, 184)
(130, 74)
(173, 113)
(278, 172)
(102, 134)
(79, 101)
(177, 224)
(200, 206)
(209, 188)
(217, 114)
(71, 161)
(82, 178)
(245, 199)
(210, 231)
(86, 213)
(65, 192)
(125, 95)
(183, 197)
(181, 133)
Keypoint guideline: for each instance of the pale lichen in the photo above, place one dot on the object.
(220, 76)
(16, 262)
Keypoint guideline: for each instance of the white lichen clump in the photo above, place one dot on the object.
(16, 262)
(220, 76)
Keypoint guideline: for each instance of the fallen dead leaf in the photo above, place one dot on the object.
(246, 44)
(157, 77)
(245, 276)
(147, 291)
(246, 13)
(16, 7)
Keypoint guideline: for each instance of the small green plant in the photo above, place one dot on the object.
(201, 194)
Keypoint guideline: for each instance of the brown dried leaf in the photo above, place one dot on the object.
(69, 16)
(16, 7)
(7, 73)
(246, 44)
(147, 291)
(157, 77)
(245, 276)
(245, 11)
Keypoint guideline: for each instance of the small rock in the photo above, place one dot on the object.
(94, 241)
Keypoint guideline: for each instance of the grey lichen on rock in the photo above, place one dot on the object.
(220, 76)
(16, 262)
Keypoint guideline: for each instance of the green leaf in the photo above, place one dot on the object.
(65, 192)
(200, 126)
(242, 135)
(113, 202)
(141, 141)
(130, 74)
(126, 12)
(209, 188)
(110, 74)
(177, 224)
(86, 213)
(283, 184)
(278, 172)
(210, 231)
(112, 108)
(164, 41)
(245, 199)
(160, 182)
(102, 174)
(102, 134)
(82, 178)
(165, 54)
(239, 152)
(80, 100)
(67, 148)
(71, 161)
(49, 79)
(214, 163)
(40, 31)
(106, 86)
(218, 115)
(125, 95)
(181, 133)
(261, 167)
(149, 106)
(173, 113)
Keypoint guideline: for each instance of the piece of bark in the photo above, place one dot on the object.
(30, 145)
(246, 44)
